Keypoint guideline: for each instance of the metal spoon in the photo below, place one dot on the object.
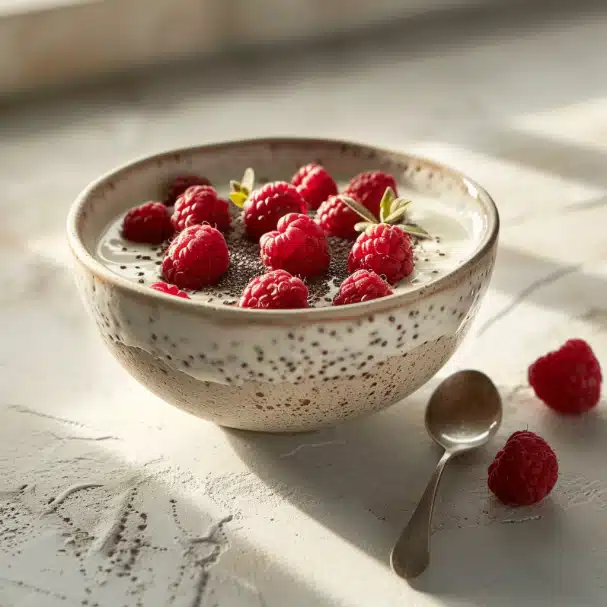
(464, 412)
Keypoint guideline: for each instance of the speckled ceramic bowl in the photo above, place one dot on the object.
(281, 371)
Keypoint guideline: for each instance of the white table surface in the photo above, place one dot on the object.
(110, 497)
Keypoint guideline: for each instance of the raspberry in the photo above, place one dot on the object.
(363, 285)
(169, 289)
(299, 246)
(268, 204)
(369, 187)
(337, 219)
(197, 257)
(200, 204)
(315, 184)
(524, 471)
(180, 184)
(569, 379)
(275, 290)
(148, 223)
(384, 249)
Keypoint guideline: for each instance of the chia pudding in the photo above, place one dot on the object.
(434, 257)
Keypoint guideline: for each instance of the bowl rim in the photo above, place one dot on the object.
(304, 315)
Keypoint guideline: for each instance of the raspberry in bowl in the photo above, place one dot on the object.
(294, 324)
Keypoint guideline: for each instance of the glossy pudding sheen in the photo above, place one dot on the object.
(284, 370)
(451, 243)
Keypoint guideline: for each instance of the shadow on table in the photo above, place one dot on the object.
(363, 479)
(569, 161)
(583, 298)
(566, 159)
(500, 567)
(360, 480)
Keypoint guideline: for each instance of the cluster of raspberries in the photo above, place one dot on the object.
(569, 381)
(293, 245)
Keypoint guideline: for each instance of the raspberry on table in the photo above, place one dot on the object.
(197, 257)
(268, 204)
(337, 219)
(383, 249)
(163, 287)
(275, 290)
(369, 187)
(315, 184)
(180, 184)
(298, 245)
(569, 379)
(148, 223)
(525, 471)
(363, 285)
(200, 204)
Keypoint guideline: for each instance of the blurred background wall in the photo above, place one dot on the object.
(49, 43)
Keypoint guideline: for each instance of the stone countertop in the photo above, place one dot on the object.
(110, 497)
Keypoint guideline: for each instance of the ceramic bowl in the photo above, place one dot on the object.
(281, 371)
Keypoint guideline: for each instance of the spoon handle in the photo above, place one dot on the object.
(411, 553)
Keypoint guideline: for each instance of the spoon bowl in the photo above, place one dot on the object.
(464, 412)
